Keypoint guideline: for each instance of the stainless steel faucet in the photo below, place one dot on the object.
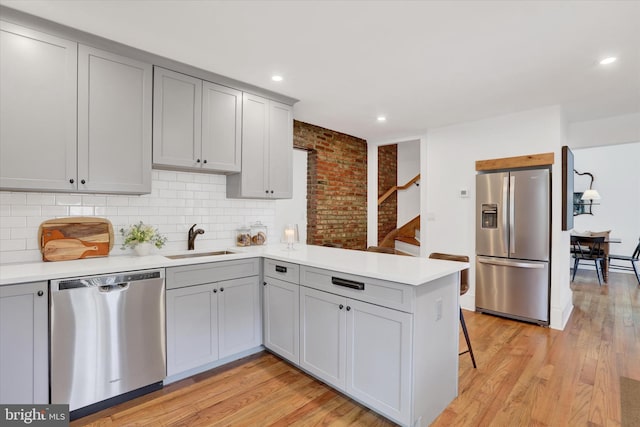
(192, 236)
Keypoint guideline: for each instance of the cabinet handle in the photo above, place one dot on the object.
(281, 269)
(264, 283)
(205, 161)
(271, 191)
(82, 181)
(71, 181)
(197, 160)
(266, 191)
(221, 289)
(341, 306)
(215, 291)
(40, 293)
(348, 308)
(348, 283)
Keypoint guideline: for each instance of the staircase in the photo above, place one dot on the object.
(405, 238)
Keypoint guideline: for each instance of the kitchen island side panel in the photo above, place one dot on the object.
(435, 348)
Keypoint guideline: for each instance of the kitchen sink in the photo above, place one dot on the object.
(199, 254)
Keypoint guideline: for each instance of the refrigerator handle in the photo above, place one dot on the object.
(505, 194)
(512, 214)
(509, 263)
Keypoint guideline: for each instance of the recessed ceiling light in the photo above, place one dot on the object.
(276, 78)
(609, 60)
(382, 119)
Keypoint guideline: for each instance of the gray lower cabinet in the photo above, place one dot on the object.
(374, 340)
(281, 309)
(74, 118)
(208, 318)
(38, 102)
(267, 151)
(197, 124)
(338, 338)
(24, 344)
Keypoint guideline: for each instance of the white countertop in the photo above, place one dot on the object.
(402, 269)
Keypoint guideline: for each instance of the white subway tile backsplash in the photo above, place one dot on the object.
(94, 200)
(13, 245)
(22, 210)
(81, 211)
(8, 198)
(41, 199)
(177, 201)
(55, 211)
(118, 201)
(68, 199)
(13, 221)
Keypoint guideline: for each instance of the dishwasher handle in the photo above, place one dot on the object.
(113, 288)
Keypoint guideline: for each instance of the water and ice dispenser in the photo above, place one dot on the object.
(489, 215)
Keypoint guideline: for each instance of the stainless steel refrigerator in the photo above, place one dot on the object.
(513, 218)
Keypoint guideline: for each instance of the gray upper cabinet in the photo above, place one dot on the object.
(74, 118)
(221, 127)
(267, 150)
(38, 77)
(114, 123)
(196, 124)
(177, 112)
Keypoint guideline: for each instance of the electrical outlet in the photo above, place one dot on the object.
(464, 193)
(438, 309)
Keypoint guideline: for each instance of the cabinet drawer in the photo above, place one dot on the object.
(282, 270)
(197, 274)
(380, 292)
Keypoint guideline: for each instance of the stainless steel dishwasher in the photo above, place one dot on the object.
(107, 339)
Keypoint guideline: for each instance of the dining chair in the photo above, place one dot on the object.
(588, 249)
(633, 259)
(464, 287)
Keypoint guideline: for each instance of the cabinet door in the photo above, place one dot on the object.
(221, 128)
(24, 345)
(281, 318)
(239, 326)
(38, 77)
(379, 358)
(280, 165)
(323, 335)
(177, 115)
(253, 182)
(192, 327)
(114, 123)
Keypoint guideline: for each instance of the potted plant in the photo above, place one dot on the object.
(141, 237)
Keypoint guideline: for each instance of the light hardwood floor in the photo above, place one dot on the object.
(527, 376)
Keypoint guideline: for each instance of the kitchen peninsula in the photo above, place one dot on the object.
(382, 329)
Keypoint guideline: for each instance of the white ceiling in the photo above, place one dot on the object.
(423, 64)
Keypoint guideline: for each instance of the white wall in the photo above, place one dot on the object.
(615, 170)
(294, 210)
(451, 155)
(606, 131)
(408, 167)
(177, 201)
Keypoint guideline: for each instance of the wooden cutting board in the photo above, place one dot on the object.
(69, 238)
(66, 249)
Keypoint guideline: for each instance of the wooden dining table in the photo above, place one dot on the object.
(605, 249)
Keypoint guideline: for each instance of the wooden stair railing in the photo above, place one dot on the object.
(390, 191)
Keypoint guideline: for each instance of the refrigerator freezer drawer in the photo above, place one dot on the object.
(513, 288)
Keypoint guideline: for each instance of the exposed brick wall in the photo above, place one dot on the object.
(336, 186)
(387, 178)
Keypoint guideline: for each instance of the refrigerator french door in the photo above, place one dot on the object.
(513, 210)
